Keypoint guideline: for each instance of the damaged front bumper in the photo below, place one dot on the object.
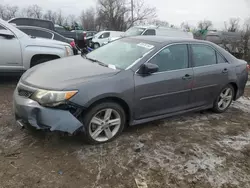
(29, 111)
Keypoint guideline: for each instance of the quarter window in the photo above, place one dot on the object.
(203, 55)
(220, 59)
(149, 32)
(172, 58)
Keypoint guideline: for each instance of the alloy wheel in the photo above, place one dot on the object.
(104, 125)
(225, 98)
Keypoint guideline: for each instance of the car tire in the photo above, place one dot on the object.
(96, 45)
(224, 99)
(96, 131)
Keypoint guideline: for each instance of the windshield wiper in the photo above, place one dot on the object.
(96, 61)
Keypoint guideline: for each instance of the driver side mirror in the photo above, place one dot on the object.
(148, 68)
(7, 34)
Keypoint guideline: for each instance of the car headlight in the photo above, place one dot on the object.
(68, 50)
(52, 98)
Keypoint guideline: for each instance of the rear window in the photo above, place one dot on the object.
(33, 22)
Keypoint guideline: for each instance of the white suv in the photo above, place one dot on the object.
(19, 52)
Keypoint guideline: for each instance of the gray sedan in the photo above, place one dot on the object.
(127, 82)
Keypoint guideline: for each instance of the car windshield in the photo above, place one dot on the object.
(121, 53)
(134, 31)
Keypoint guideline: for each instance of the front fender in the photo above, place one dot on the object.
(32, 50)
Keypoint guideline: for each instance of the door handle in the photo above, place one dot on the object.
(187, 77)
(225, 70)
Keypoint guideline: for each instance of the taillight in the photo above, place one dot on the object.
(73, 44)
(84, 35)
(248, 67)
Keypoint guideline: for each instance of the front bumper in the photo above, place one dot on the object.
(40, 117)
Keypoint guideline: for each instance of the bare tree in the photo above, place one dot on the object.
(89, 21)
(48, 15)
(110, 14)
(60, 18)
(233, 25)
(186, 26)
(116, 14)
(7, 12)
(142, 12)
(70, 20)
(205, 25)
(33, 11)
(2, 12)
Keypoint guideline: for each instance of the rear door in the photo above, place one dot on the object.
(167, 90)
(10, 53)
(211, 72)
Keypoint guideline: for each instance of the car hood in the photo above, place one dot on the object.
(65, 73)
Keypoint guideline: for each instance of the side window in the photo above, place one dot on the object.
(104, 35)
(220, 58)
(149, 32)
(28, 31)
(2, 28)
(37, 33)
(203, 55)
(59, 38)
(172, 58)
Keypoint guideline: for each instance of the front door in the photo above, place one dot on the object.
(211, 72)
(10, 53)
(167, 90)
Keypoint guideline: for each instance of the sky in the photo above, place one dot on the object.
(173, 11)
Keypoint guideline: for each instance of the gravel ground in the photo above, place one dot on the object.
(193, 150)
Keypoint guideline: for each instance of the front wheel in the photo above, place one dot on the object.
(104, 122)
(224, 100)
(96, 45)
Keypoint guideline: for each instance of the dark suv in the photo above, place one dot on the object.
(80, 38)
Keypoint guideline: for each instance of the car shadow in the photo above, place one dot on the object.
(9, 80)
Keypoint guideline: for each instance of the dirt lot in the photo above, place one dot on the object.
(194, 150)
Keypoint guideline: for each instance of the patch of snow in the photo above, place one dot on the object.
(203, 160)
(236, 142)
(243, 104)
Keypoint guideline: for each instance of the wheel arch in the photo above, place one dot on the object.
(235, 86)
(40, 56)
(115, 99)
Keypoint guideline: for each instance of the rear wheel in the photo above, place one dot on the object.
(224, 99)
(104, 122)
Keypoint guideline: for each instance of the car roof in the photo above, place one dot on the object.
(34, 27)
(165, 39)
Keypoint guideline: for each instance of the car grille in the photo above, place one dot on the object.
(24, 93)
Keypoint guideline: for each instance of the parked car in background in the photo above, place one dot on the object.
(80, 38)
(154, 30)
(231, 41)
(103, 37)
(129, 81)
(48, 34)
(158, 31)
(19, 51)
